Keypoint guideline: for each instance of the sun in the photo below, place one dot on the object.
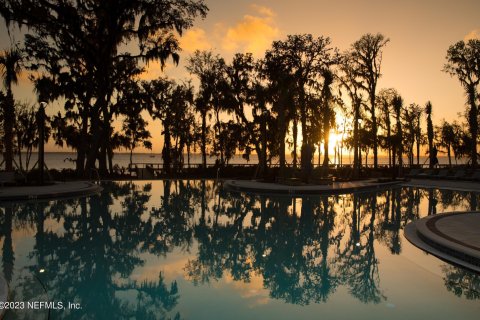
(334, 138)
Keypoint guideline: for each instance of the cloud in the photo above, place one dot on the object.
(194, 39)
(474, 34)
(253, 33)
(265, 11)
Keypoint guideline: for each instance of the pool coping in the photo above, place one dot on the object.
(57, 190)
(423, 234)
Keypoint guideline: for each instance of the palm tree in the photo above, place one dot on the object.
(448, 138)
(385, 97)
(430, 134)
(328, 114)
(10, 67)
(398, 106)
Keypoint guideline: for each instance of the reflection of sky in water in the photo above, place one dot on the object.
(169, 248)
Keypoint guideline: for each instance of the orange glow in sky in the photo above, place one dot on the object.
(420, 33)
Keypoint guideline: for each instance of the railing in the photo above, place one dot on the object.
(159, 166)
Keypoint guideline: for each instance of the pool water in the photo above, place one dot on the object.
(190, 250)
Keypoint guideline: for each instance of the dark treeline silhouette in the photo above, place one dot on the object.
(303, 248)
(297, 95)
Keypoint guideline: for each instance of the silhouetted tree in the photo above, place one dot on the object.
(463, 61)
(385, 98)
(134, 129)
(448, 138)
(168, 101)
(328, 113)
(367, 54)
(87, 40)
(411, 117)
(351, 81)
(243, 90)
(430, 133)
(398, 108)
(10, 67)
(281, 90)
(210, 70)
(306, 58)
(26, 133)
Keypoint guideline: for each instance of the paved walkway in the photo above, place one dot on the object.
(333, 188)
(56, 190)
(454, 237)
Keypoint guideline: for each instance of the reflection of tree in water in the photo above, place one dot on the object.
(90, 247)
(397, 207)
(261, 235)
(461, 282)
(170, 225)
(303, 256)
(356, 260)
(449, 200)
(94, 252)
(8, 256)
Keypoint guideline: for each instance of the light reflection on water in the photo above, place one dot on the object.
(187, 249)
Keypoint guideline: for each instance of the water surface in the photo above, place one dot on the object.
(189, 250)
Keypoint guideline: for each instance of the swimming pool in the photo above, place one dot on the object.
(189, 250)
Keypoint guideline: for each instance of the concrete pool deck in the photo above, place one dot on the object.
(56, 190)
(454, 237)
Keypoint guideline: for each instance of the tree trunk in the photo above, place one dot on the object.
(97, 136)
(419, 134)
(9, 119)
(374, 129)
(110, 158)
(282, 136)
(188, 155)
(389, 141)
(449, 156)
(394, 160)
(166, 147)
(295, 134)
(102, 159)
(400, 153)
(82, 148)
(473, 124)
(19, 150)
(326, 159)
(356, 149)
(204, 140)
(264, 147)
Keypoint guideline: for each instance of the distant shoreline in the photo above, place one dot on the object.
(66, 160)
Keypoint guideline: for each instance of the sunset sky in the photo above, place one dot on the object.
(420, 33)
